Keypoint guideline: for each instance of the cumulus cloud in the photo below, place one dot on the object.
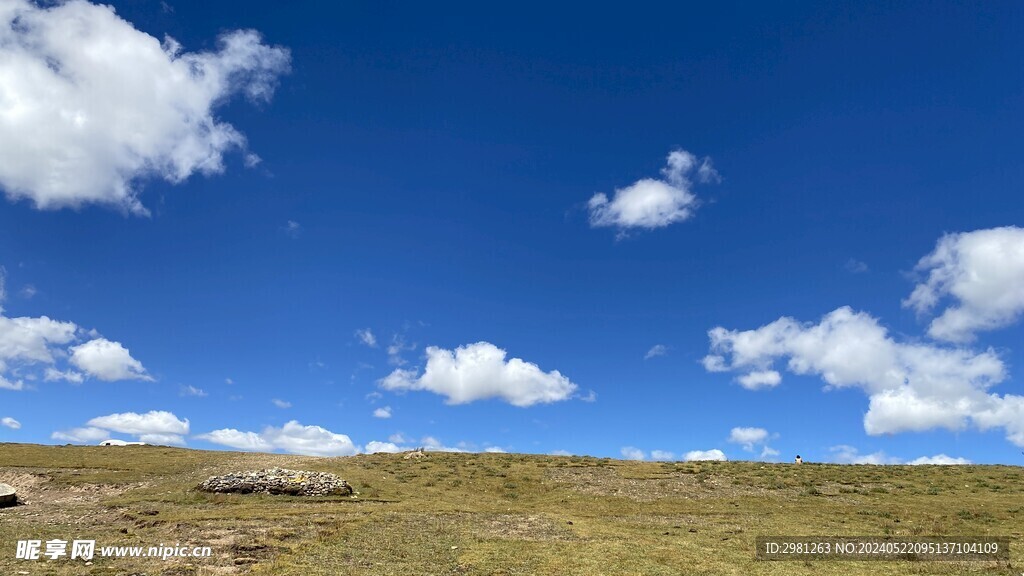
(386, 447)
(366, 337)
(434, 445)
(90, 106)
(81, 435)
(312, 440)
(248, 441)
(662, 455)
(911, 386)
(9, 422)
(495, 450)
(106, 360)
(162, 439)
(480, 371)
(293, 438)
(632, 453)
(384, 412)
(758, 379)
(698, 455)
(656, 350)
(938, 460)
(844, 454)
(982, 273)
(154, 427)
(654, 203)
(748, 437)
(34, 349)
(152, 422)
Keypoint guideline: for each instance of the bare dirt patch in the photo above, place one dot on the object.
(519, 527)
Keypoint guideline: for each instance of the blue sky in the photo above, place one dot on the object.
(208, 209)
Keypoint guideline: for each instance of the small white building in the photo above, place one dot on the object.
(113, 442)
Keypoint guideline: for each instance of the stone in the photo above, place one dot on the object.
(8, 495)
(415, 454)
(278, 481)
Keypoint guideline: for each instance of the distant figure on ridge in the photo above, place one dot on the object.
(798, 459)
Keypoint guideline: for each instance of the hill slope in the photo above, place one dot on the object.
(491, 513)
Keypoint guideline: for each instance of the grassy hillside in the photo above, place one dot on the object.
(470, 514)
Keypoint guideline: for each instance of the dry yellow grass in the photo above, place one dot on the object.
(494, 514)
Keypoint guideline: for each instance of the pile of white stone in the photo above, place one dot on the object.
(278, 481)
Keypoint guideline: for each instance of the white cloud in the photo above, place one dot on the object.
(768, 452)
(281, 403)
(748, 437)
(911, 386)
(32, 340)
(387, 447)
(662, 455)
(107, 361)
(396, 348)
(758, 379)
(193, 391)
(293, 437)
(560, 453)
(698, 455)
(654, 203)
(844, 454)
(3, 287)
(51, 374)
(249, 441)
(983, 271)
(854, 266)
(81, 435)
(311, 440)
(938, 459)
(90, 106)
(494, 450)
(632, 453)
(33, 349)
(434, 445)
(479, 371)
(162, 439)
(10, 423)
(656, 350)
(152, 422)
(384, 412)
(28, 291)
(366, 337)
(398, 438)
(293, 229)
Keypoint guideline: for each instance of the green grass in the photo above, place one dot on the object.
(493, 514)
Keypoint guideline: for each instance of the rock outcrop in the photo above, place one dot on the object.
(8, 496)
(278, 481)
